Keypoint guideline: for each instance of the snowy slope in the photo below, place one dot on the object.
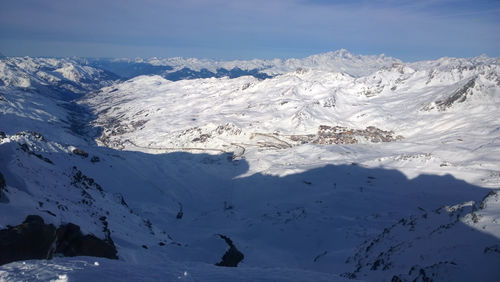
(425, 245)
(315, 175)
(64, 76)
(425, 106)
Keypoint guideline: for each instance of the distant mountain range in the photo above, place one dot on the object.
(180, 68)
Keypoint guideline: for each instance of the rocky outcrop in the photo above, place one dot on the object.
(28, 150)
(459, 96)
(232, 256)
(79, 152)
(34, 239)
(71, 242)
(2, 184)
(431, 246)
(32, 135)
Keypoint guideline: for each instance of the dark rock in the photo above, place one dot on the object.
(49, 212)
(149, 225)
(491, 196)
(316, 258)
(38, 136)
(376, 264)
(122, 201)
(2, 135)
(179, 215)
(232, 256)
(2, 184)
(492, 249)
(33, 239)
(459, 96)
(422, 276)
(29, 134)
(202, 138)
(105, 230)
(71, 242)
(80, 152)
(145, 247)
(47, 160)
(26, 149)
(348, 275)
(84, 182)
(95, 159)
(35, 219)
(227, 206)
(396, 279)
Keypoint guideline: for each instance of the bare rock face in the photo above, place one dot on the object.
(459, 96)
(232, 256)
(80, 152)
(2, 184)
(71, 242)
(33, 239)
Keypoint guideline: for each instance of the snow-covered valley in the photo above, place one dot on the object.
(334, 167)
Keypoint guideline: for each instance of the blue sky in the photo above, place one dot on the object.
(234, 29)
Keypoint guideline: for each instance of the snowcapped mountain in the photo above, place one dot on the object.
(189, 68)
(416, 103)
(66, 76)
(337, 167)
(337, 61)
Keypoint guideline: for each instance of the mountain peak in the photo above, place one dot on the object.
(343, 53)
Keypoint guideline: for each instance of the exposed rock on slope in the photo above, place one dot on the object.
(459, 96)
(33, 239)
(2, 184)
(71, 242)
(231, 257)
(422, 245)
